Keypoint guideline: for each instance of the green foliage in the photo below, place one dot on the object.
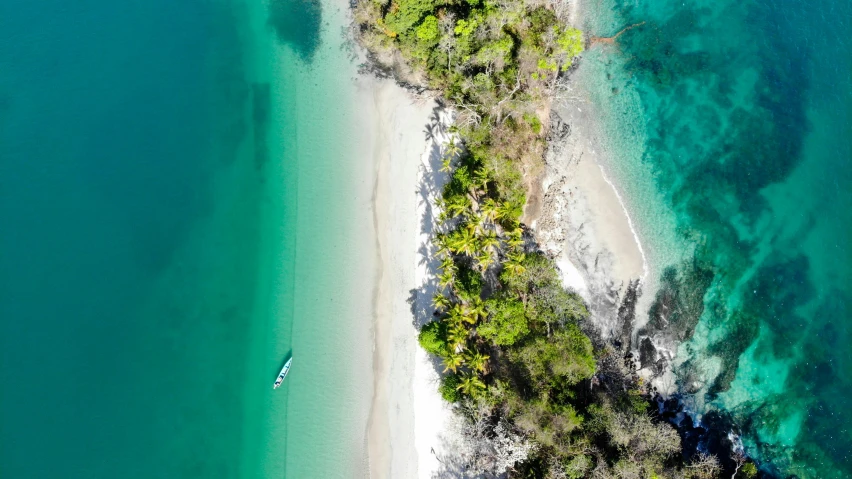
(565, 356)
(533, 121)
(449, 388)
(749, 470)
(551, 424)
(538, 273)
(507, 322)
(636, 402)
(552, 305)
(469, 284)
(578, 467)
(634, 434)
(509, 181)
(570, 43)
(547, 65)
(433, 338)
(405, 14)
(496, 53)
(465, 28)
(428, 31)
(541, 20)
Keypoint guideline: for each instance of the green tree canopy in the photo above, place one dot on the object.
(507, 322)
(433, 338)
(405, 14)
(428, 31)
(566, 356)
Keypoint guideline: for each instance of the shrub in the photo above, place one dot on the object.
(567, 355)
(534, 122)
(469, 283)
(404, 14)
(749, 470)
(433, 338)
(449, 388)
(507, 322)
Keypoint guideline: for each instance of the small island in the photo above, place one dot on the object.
(542, 394)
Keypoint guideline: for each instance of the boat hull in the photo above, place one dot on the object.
(283, 374)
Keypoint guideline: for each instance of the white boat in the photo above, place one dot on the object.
(283, 374)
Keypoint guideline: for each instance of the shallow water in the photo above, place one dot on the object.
(737, 114)
(171, 189)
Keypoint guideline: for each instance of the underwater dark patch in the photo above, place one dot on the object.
(714, 147)
(679, 303)
(297, 23)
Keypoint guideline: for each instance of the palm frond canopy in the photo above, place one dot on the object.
(453, 362)
(471, 385)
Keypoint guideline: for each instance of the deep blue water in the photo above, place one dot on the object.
(125, 322)
(743, 111)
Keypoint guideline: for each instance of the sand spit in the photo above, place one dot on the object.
(582, 223)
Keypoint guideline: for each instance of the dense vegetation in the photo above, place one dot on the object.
(542, 401)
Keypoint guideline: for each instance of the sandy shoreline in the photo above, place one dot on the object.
(584, 223)
(407, 414)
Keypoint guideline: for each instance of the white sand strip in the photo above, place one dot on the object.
(432, 418)
(408, 415)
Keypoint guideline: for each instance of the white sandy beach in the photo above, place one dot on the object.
(408, 415)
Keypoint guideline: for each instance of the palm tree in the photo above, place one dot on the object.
(461, 314)
(506, 212)
(490, 241)
(477, 361)
(489, 209)
(457, 337)
(446, 278)
(514, 268)
(463, 241)
(478, 223)
(515, 264)
(477, 308)
(442, 243)
(456, 205)
(453, 362)
(447, 264)
(441, 301)
(452, 150)
(515, 238)
(447, 163)
(471, 385)
(484, 259)
(481, 177)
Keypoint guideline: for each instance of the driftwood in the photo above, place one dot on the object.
(611, 40)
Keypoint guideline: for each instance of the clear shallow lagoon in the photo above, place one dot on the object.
(177, 211)
(732, 121)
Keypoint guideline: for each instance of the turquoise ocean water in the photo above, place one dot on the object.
(733, 121)
(177, 212)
